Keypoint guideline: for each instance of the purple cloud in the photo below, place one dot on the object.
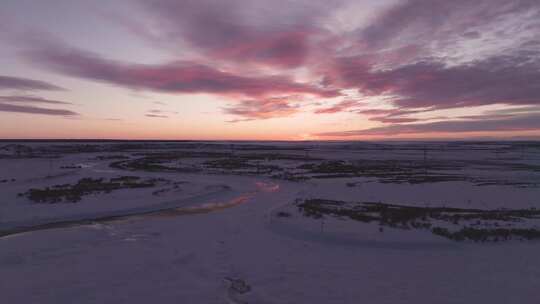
(340, 107)
(442, 21)
(243, 31)
(432, 84)
(30, 99)
(176, 77)
(513, 123)
(35, 110)
(16, 83)
(261, 109)
(428, 76)
(387, 112)
(390, 115)
(394, 120)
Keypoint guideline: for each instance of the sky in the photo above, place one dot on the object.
(270, 70)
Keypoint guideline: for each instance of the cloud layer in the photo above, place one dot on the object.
(397, 65)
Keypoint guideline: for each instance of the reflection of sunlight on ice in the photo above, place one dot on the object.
(267, 186)
(218, 205)
(101, 223)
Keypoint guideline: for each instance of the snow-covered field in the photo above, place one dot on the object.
(223, 222)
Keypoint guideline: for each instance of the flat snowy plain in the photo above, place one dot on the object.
(223, 222)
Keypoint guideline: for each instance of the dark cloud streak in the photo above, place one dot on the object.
(514, 123)
(16, 83)
(30, 99)
(35, 110)
(156, 116)
(345, 105)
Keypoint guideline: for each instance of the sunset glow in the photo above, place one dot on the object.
(270, 70)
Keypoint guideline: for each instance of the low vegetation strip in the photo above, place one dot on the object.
(453, 223)
(299, 167)
(72, 193)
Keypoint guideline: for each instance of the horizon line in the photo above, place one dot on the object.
(268, 140)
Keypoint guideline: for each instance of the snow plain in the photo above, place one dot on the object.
(219, 238)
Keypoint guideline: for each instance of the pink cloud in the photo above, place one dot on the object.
(262, 109)
(285, 50)
(340, 107)
(175, 77)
